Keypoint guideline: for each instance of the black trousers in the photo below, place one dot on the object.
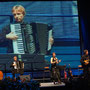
(15, 71)
(55, 74)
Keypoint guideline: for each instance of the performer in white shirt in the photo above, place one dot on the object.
(55, 74)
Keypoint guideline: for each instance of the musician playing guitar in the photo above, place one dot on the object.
(55, 74)
(85, 61)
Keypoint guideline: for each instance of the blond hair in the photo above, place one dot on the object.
(19, 8)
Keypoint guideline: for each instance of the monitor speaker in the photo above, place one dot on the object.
(25, 78)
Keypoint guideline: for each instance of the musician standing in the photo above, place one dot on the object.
(85, 64)
(17, 67)
(55, 74)
(6, 36)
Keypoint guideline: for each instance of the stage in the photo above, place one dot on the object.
(51, 84)
(45, 83)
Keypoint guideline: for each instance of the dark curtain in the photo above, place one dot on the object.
(84, 13)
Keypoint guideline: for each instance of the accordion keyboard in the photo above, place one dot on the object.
(18, 46)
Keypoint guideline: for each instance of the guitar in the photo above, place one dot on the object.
(65, 74)
(70, 72)
(86, 62)
(57, 61)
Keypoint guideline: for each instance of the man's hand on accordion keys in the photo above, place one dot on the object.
(11, 36)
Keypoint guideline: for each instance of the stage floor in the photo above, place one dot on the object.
(51, 84)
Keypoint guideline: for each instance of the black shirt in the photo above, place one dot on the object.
(84, 57)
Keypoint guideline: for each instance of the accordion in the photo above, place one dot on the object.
(18, 65)
(33, 38)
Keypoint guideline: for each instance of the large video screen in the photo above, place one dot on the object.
(47, 21)
(45, 27)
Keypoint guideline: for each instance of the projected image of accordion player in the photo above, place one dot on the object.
(17, 67)
(15, 37)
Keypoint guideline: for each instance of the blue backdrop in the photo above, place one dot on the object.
(63, 15)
